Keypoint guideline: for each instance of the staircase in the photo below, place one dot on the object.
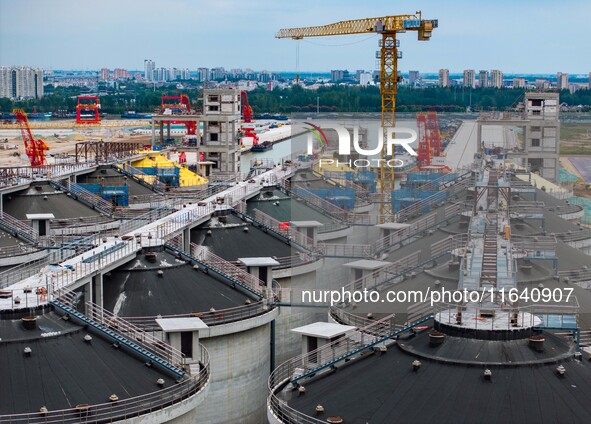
(138, 176)
(356, 346)
(117, 322)
(488, 273)
(17, 228)
(86, 197)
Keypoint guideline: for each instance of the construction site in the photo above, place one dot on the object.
(185, 267)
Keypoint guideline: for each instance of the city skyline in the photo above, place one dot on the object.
(123, 34)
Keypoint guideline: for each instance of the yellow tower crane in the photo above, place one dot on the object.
(388, 27)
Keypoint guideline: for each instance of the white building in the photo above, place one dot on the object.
(518, 82)
(21, 82)
(496, 78)
(444, 77)
(365, 78)
(470, 78)
(561, 81)
(149, 66)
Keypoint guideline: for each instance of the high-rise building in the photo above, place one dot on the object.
(149, 66)
(119, 73)
(21, 82)
(160, 75)
(264, 76)
(203, 74)
(105, 74)
(542, 83)
(218, 73)
(365, 78)
(444, 77)
(518, 82)
(337, 75)
(483, 79)
(414, 77)
(470, 78)
(496, 78)
(562, 81)
(589, 81)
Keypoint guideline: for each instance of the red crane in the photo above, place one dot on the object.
(34, 148)
(179, 105)
(246, 108)
(87, 110)
(247, 117)
(433, 126)
(424, 153)
(429, 143)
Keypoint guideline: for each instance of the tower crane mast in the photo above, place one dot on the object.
(388, 27)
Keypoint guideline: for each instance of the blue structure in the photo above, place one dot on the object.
(406, 197)
(435, 180)
(169, 175)
(343, 197)
(118, 195)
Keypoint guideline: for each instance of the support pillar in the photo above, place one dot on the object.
(153, 132)
(187, 241)
(98, 289)
(478, 137)
(87, 295)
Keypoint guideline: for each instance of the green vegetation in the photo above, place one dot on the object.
(351, 98)
(132, 96)
(339, 98)
(575, 132)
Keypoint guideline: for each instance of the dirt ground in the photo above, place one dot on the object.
(60, 142)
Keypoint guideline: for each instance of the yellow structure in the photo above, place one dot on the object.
(157, 160)
(388, 27)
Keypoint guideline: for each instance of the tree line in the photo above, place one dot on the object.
(334, 98)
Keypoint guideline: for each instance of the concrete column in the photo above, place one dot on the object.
(479, 137)
(87, 295)
(187, 241)
(153, 132)
(98, 289)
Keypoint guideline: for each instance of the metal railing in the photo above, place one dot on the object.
(350, 345)
(18, 228)
(85, 196)
(148, 223)
(17, 250)
(145, 340)
(576, 275)
(211, 317)
(572, 236)
(461, 184)
(509, 316)
(341, 316)
(224, 267)
(60, 277)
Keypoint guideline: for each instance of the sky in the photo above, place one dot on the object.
(515, 36)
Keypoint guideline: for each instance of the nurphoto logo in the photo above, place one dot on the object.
(344, 145)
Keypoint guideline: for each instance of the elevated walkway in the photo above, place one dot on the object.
(152, 230)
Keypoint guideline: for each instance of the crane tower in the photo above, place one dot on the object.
(388, 27)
